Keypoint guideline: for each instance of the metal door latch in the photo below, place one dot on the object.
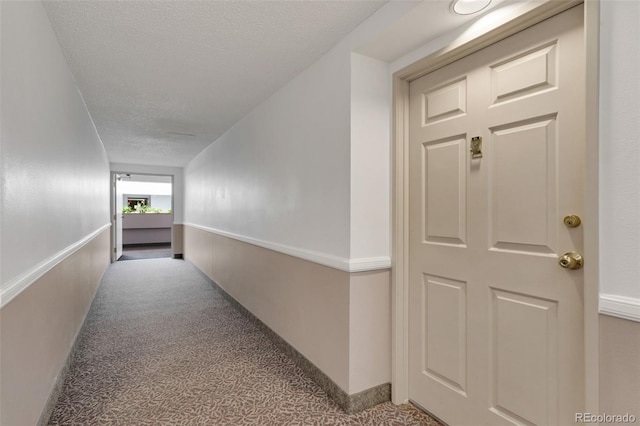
(571, 260)
(476, 147)
(572, 221)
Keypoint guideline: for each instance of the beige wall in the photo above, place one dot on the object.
(39, 326)
(619, 366)
(177, 239)
(337, 320)
(369, 329)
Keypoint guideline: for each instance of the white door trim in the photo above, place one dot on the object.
(400, 187)
(113, 206)
(112, 215)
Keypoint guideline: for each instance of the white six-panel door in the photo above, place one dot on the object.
(496, 325)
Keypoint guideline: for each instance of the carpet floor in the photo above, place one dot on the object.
(161, 346)
(150, 252)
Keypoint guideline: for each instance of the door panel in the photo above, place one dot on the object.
(445, 354)
(445, 190)
(495, 324)
(524, 331)
(444, 102)
(524, 74)
(523, 185)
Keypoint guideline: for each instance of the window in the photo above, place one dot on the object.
(132, 202)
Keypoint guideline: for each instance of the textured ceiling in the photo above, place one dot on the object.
(164, 79)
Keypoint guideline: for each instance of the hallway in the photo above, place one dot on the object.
(162, 346)
(284, 128)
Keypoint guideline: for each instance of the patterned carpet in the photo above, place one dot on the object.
(162, 347)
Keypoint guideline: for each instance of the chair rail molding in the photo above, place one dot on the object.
(348, 265)
(620, 306)
(18, 284)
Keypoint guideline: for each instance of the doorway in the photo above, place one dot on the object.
(142, 216)
(501, 400)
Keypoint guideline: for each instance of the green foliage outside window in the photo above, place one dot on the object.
(143, 208)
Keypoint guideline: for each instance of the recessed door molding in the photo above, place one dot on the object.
(400, 227)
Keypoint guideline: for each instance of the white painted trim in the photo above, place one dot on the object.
(620, 306)
(116, 169)
(20, 283)
(591, 208)
(400, 245)
(336, 262)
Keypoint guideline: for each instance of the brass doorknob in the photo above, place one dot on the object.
(572, 221)
(571, 260)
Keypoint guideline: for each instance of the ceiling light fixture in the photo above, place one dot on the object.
(468, 7)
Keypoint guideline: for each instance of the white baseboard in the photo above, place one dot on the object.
(18, 284)
(620, 306)
(341, 263)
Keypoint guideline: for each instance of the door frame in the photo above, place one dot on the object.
(400, 187)
(113, 213)
(113, 206)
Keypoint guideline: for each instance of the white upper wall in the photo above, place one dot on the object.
(308, 171)
(620, 149)
(55, 173)
(149, 188)
(161, 202)
(370, 158)
(281, 174)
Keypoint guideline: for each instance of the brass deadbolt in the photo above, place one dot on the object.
(572, 221)
(571, 260)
